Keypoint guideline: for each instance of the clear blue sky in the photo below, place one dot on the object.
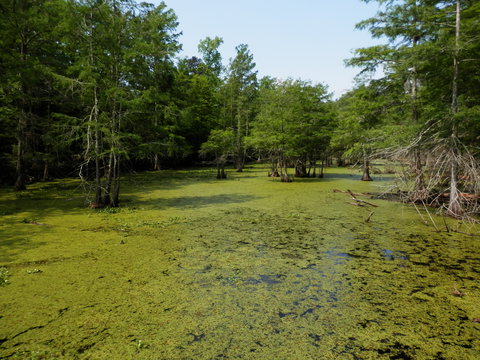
(307, 39)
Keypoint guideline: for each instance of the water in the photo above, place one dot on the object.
(242, 269)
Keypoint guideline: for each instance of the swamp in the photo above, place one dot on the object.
(168, 194)
(190, 267)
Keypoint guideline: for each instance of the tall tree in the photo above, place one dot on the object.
(27, 53)
(154, 109)
(121, 53)
(239, 93)
(428, 49)
(368, 116)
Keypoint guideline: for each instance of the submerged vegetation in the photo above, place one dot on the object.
(197, 268)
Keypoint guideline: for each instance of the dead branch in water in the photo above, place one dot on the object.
(430, 216)
(347, 192)
(369, 216)
(360, 201)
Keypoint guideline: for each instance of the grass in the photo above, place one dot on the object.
(190, 267)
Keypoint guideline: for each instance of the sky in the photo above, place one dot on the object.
(299, 39)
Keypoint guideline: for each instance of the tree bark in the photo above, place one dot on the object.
(46, 175)
(221, 168)
(455, 208)
(419, 192)
(300, 168)
(366, 168)
(98, 182)
(20, 178)
(115, 198)
(322, 167)
(20, 167)
(156, 162)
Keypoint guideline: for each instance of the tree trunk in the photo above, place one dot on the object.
(98, 182)
(300, 168)
(322, 167)
(239, 151)
(20, 167)
(419, 192)
(455, 208)
(221, 168)
(219, 173)
(312, 164)
(46, 175)
(109, 177)
(115, 202)
(20, 179)
(284, 177)
(156, 163)
(366, 168)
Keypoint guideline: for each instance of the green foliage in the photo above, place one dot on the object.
(208, 47)
(238, 95)
(220, 144)
(295, 121)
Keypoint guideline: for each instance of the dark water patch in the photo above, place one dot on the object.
(316, 339)
(252, 281)
(281, 314)
(397, 351)
(310, 311)
(272, 279)
(196, 338)
(85, 347)
(365, 323)
(206, 269)
(394, 255)
(335, 254)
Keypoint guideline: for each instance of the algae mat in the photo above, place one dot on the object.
(248, 268)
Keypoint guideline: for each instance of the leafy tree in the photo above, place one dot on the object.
(238, 95)
(28, 53)
(407, 27)
(121, 52)
(212, 58)
(197, 88)
(154, 109)
(220, 144)
(370, 119)
(430, 46)
(293, 124)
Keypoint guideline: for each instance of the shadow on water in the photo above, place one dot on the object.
(68, 195)
(333, 176)
(187, 202)
(14, 243)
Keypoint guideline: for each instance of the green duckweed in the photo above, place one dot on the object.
(190, 267)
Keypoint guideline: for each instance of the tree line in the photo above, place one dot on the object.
(94, 88)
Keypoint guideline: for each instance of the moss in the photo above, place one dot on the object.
(194, 268)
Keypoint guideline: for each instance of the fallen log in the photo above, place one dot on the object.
(357, 204)
(344, 192)
(467, 196)
(360, 201)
